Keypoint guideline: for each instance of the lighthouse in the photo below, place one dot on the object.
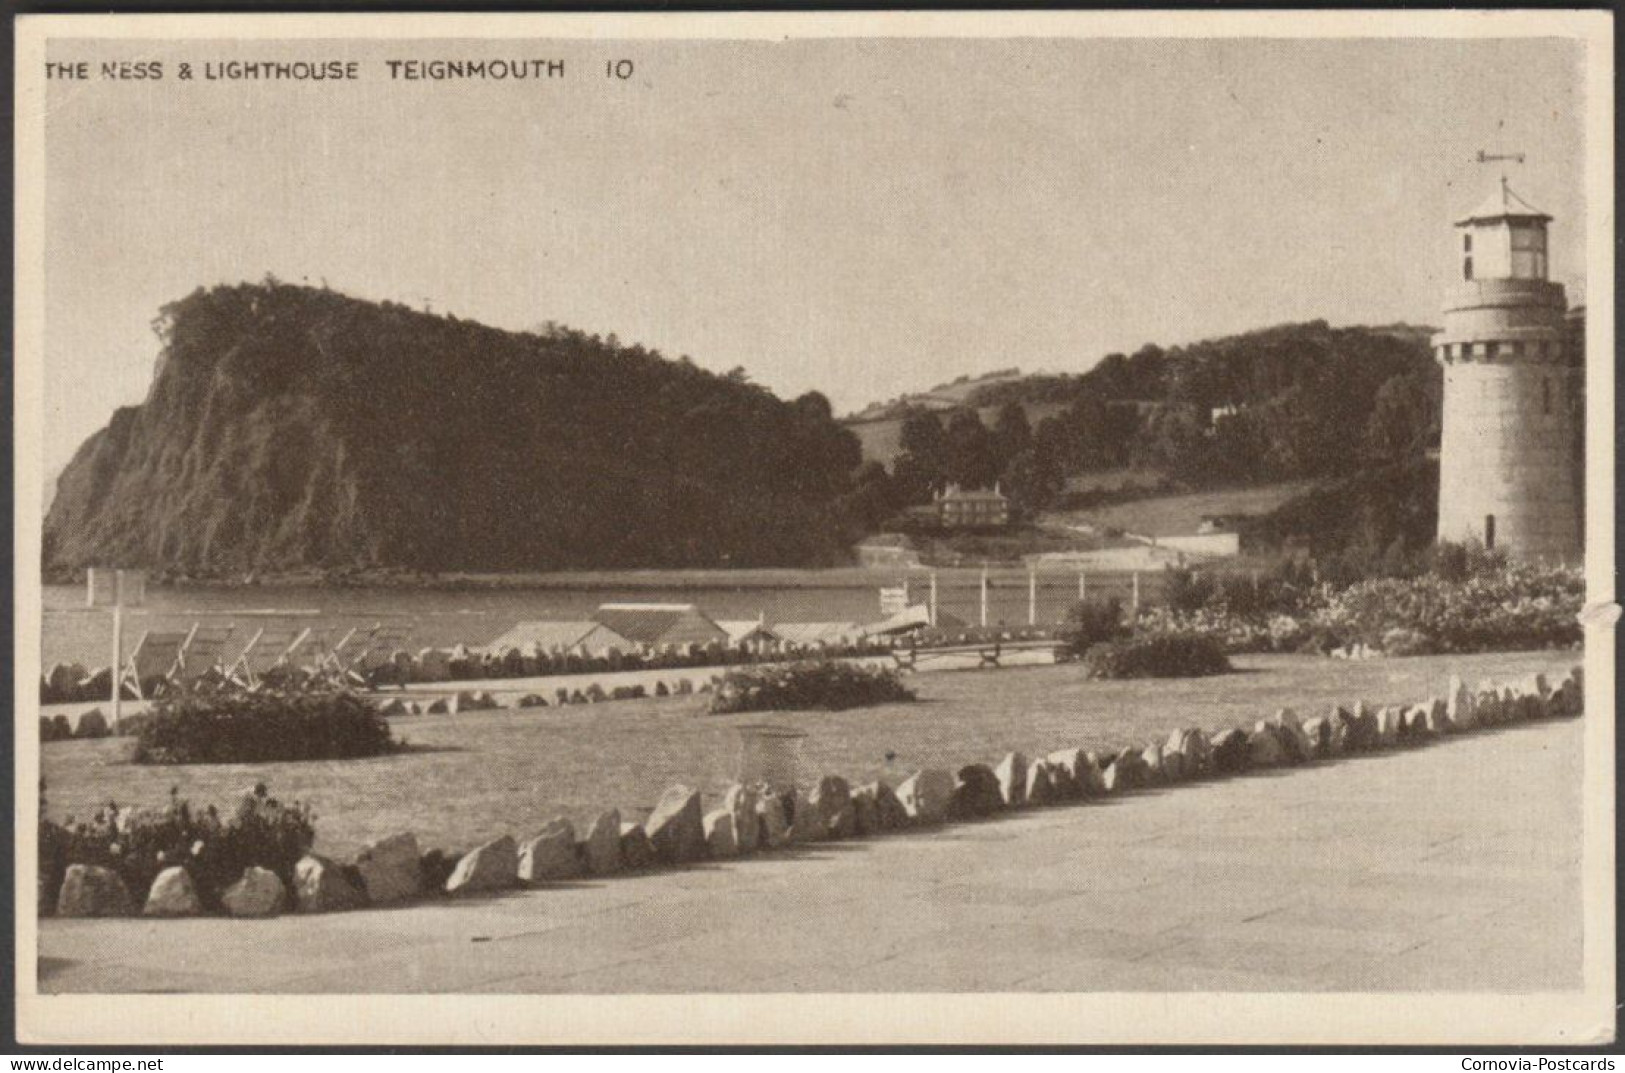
(1510, 454)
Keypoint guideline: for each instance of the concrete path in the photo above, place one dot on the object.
(1453, 867)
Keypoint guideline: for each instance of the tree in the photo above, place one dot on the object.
(1011, 433)
(918, 469)
(969, 459)
(1397, 427)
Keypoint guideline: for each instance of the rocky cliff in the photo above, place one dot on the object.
(291, 428)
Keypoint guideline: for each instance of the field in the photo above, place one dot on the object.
(472, 777)
(882, 439)
(1179, 514)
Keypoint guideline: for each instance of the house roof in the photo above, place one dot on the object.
(660, 624)
(913, 617)
(973, 495)
(1502, 204)
(548, 636)
(744, 629)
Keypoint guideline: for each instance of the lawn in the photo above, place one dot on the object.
(471, 777)
(1179, 514)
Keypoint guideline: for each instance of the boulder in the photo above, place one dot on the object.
(172, 895)
(1459, 705)
(676, 827)
(1361, 727)
(438, 706)
(890, 815)
(720, 840)
(1318, 732)
(806, 825)
(1511, 710)
(831, 800)
(977, 793)
(1570, 699)
(1151, 758)
(1413, 724)
(1264, 747)
(1043, 779)
(394, 706)
(532, 700)
(389, 869)
(1126, 771)
(1132, 761)
(484, 702)
(1012, 775)
(493, 866)
(1063, 786)
(62, 681)
(741, 801)
(551, 854)
(1198, 752)
(1438, 717)
(1080, 776)
(600, 849)
(1230, 752)
(637, 852)
(98, 686)
(865, 812)
(1173, 765)
(926, 796)
(89, 890)
(92, 724)
(1294, 740)
(772, 825)
(320, 886)
(1388, 720)
(433, 665)
(259, 893)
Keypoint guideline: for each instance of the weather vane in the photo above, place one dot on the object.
(1501, 158)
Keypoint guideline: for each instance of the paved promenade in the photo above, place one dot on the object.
(1452, 867)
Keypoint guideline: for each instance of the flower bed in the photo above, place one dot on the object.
(826, 684)
(1500, 607)
(138, 844)
(255, 727)
(1158, 655)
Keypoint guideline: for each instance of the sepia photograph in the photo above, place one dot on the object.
(979, 528)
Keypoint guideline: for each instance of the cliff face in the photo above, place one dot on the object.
(291, 428)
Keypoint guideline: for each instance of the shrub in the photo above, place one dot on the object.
(1091, 622)
(1158, 655)
(828, 684)
(257, 727)
(139, 843)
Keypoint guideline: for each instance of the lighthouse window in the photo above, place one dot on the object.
(1467, 244)
(1489, 532)
(1466, 268)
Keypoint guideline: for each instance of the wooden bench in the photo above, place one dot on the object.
(987, 653)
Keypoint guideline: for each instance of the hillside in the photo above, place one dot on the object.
(290, 428)
(1295, 406)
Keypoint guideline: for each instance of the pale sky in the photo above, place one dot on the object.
(860, 217)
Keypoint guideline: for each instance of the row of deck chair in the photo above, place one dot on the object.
(165, 662)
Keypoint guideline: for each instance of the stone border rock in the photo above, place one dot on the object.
(761, 819)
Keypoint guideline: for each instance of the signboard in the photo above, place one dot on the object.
(109, 588)
(894, 600)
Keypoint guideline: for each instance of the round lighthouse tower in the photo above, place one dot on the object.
(1509, 455)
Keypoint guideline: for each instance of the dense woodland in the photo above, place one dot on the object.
(291, 427)
(294, 427)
